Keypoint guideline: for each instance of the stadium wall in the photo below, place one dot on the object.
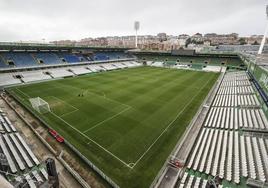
(260, 75)
(217, 55)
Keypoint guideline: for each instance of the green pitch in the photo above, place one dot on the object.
(126, 122)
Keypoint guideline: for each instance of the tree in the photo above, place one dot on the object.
(242, 41)
(188, 41)
(255, 43)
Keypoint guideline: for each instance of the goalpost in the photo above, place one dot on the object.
(40, 105)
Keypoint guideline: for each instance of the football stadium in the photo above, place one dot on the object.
(140, 119)
(116, 116)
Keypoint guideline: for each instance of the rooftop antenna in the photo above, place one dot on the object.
(136, 27)
(265, 34)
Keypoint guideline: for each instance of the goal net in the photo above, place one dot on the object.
(40, 105)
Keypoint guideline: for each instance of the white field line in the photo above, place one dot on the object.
(88, 90)
(105, 97)
(18, 95)
(64, 102)
(169, 125)
(98, 124)
(91, 140)
(67, 113)
(23, 92)
(86, 136)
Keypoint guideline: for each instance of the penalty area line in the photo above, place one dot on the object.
(109, 118)
(123, 162)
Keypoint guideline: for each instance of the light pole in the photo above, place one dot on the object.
(265, 34)
(136, 27)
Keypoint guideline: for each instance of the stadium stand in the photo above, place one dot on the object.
(37, 75)
(96, 68)
(47, 58)
(60, 72)
(68, 57)
(24, 169)
(20, 59)
(98, 56)
(120, 65)
(79, 70)
(223, 149)
(42, 58)
(101, 56)
(8, 79)
(108, 66)
(157, 64)
(189, 180)
(212, 68)
(2, 62)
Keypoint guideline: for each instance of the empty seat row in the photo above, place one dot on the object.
(6, 125)
(30, 76)
(229, 155)
(46, 74)
(192, 181)
(31, 179)
(8, 79)
(234, 118)
(26, 59)
(79, 70)
(18, 153)
(235, 90)
(236, 100)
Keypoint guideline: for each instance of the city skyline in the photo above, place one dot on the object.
(59, 20)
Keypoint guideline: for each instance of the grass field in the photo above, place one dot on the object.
(128, 121)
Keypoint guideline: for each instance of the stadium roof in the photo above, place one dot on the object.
(10, 46)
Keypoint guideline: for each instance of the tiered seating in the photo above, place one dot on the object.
(48, 58)
(70, 58)
(236, 100)
(96, 68)
(157, 64)
(98, 56)
(120, 65)
(20, 59)
(235, 90)
(108, 66)
(135, 63)
(80, 70)
(101, 56)
(21, 160)
(234, 118)
(182, 66)
(223, 150)
(38, 75)
(60, 72)
(212, 68)
(2, 63)
(8, 79)
(131, 64)
(29, 59)
(227, 159)
(192, 181)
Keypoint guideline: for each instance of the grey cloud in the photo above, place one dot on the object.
(64, 19)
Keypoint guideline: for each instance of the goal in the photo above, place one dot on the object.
(40, 105)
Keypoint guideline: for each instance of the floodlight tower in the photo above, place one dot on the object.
(136, 27)
(265, 34)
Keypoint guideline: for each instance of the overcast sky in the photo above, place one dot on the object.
(76, 19)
